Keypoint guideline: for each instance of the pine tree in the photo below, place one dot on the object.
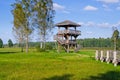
(115, 38)
(1, 43)
(10, 43)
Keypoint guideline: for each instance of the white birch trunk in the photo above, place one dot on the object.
(27, 43)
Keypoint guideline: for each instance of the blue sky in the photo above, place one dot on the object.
(97, 17)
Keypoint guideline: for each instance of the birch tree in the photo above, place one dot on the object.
(19, 19)
(43, 18)
(22, 13)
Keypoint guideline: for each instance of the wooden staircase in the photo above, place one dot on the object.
(77, 49)
(64, 44)
(59, 40)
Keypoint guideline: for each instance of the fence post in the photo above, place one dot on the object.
(108, 56)
(101, 57)
(96, 55)
(115, 58)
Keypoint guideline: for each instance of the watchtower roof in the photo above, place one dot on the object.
(67, 23)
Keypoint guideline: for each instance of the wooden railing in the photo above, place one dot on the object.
(70, 31)
(61, 41)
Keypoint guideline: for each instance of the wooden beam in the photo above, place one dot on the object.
(68, 48)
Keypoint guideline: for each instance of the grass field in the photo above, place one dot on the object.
(51, 65)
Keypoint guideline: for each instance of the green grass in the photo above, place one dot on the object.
(51, 65)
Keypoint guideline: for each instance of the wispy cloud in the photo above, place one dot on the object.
(102, 25)
(118, 8)
(58, 7)
(90, 8)
(109, 1)
(106, 7)
(89, 32)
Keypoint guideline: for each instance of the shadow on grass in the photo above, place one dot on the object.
(63, 77)
(111, 75)
(8, 52)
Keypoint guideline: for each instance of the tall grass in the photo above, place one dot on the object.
(51, 65)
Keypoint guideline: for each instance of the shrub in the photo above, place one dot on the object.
(40, 49)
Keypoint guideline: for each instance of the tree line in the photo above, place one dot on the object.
(96, 42)
(113, 42)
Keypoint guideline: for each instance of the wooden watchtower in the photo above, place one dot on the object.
(67, 35)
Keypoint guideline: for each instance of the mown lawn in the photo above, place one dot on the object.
(51, 65)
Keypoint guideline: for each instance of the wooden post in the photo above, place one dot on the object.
(58, 48)
(101, 57)
(58, 29)
(75, 28)
(108, 57)
(115, 58)
(68, 48)
(96, 55)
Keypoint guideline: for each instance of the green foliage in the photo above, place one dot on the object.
(1, 43)
(10, 43)
(115, 38)
(49, 46)
(96, 42)
(115, 34)
(40, 49)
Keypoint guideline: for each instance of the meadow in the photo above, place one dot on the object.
(51, 65)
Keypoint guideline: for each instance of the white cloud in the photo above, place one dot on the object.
(89, 32)
(81, 23)
(58, 7)
(117, 24)
(118, 8)
(61, 8)
(90, 23)
(105, 24)
(109, 1)
(90, 8)
(105, 6)
(67, 12)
